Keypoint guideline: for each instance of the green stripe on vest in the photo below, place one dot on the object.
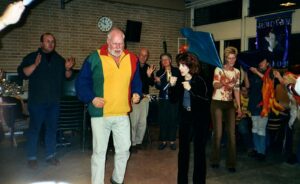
(98, 81)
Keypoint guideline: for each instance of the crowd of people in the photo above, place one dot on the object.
(184, 103)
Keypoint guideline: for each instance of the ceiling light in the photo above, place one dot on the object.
(288, 4)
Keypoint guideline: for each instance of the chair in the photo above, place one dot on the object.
(14, 121)
(72, 115)
(71, 118)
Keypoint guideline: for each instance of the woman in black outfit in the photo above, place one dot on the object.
(167, 109)
(192, 95)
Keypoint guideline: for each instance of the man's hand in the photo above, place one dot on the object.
(150, 70)
(70, 62)
(98, 102)
(253, 70)
(37, 60)
(135, 98)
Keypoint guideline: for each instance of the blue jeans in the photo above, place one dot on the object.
(245, 131)
(259, 125)
(39, 114)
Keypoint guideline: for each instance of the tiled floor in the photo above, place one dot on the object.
(149, 166)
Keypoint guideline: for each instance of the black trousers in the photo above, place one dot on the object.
(196, 130)
(168, 120)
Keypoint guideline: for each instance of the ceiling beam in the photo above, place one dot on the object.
(203, 3)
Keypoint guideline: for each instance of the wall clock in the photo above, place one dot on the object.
(105, 23)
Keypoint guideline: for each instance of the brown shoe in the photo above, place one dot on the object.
(53, 161)
(32, 164)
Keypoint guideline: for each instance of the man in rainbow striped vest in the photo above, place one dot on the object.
(108, 81)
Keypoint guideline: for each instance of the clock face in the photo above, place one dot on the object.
(104, 24)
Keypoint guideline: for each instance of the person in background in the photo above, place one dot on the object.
(167, 109)
(254, 82)
(244, 122)
(138, 116)
(11, 14)
(108, 81)
(226, 85)
(192, 94)
(289, 80)
(46, 70)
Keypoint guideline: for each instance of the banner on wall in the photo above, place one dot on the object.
(273, 34)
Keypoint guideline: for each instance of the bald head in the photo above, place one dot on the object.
(143, 55)
(115, 31)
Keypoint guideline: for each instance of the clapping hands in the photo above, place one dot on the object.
(70, 62)
(150, 70)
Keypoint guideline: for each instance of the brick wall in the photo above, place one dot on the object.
(76, 32)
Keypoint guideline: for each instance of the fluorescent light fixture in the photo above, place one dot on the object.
(287, 4)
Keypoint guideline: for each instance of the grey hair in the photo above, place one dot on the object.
(115, 29)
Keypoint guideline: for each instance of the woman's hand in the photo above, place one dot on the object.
(239, 112)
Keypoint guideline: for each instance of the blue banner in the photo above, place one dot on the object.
(273, 34)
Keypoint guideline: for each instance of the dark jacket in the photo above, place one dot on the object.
(146, 81)
(45, 82)
(199, 96)
(164, 85)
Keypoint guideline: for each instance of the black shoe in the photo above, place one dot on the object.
(53, 161)
(113, 181)
(32, 164)
(133, 149)
(232, 170)
(139, 146)
(173, 146)
(162, 146)
(260, 157)
(214, 166)
(292, 159)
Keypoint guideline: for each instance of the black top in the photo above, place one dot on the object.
(146, 81)
(164, 84)
(198, 93)
(45, 82)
